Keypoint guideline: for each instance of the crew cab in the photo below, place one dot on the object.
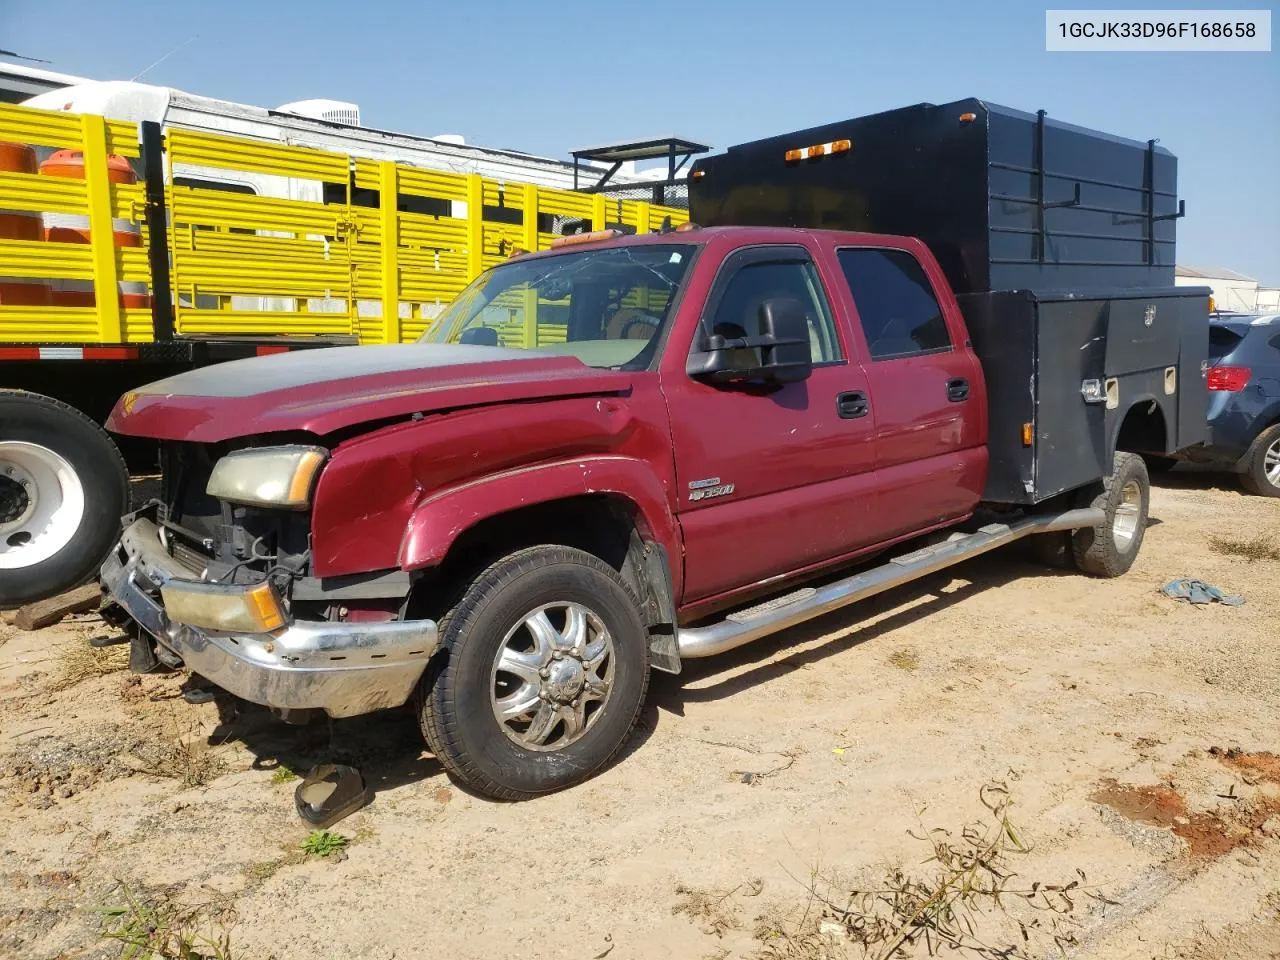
(625, 452)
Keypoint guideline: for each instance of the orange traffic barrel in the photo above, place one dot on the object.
(74, 228)
(21, 225)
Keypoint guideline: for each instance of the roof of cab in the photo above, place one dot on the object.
(740, 234)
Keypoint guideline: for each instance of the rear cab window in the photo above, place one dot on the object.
(898, 312)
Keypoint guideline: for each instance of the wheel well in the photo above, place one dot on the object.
(605, 525)
(1143, 429)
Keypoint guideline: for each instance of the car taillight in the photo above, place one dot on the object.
(1231, 379)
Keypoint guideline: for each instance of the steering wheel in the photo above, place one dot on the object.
(631, 318)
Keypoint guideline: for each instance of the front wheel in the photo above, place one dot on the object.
(63, 488)
(1109, 549)
(541, 677)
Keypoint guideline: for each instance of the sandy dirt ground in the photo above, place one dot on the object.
(782, 801)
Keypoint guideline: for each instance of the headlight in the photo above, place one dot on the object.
(267, 476)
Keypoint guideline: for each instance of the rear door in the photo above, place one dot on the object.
(926, 388)
(770, 478)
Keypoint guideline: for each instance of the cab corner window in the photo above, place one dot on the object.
(899, 313)
(737, 314)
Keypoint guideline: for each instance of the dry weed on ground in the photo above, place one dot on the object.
(1265, 546)
(158, 927)
(967, 880)
(78, 662)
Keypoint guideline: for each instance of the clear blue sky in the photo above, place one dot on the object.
(547, 77)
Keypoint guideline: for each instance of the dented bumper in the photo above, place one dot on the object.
(344, 669)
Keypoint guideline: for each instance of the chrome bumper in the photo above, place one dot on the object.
(344, 669)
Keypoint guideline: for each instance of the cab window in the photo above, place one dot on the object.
(899, 313)
(737, 313)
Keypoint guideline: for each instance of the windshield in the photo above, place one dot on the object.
(606, 306)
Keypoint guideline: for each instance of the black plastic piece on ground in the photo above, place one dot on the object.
(109, 640)
(330, 792)
(198, 695)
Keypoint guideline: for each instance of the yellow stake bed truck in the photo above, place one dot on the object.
(133, 249)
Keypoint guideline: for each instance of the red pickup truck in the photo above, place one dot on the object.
(712, 433)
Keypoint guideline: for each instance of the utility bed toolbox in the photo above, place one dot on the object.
(1038, 351)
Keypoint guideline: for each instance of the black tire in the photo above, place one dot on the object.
(1254, 478)
(96, 463)
(1158, 465)
(1104, 551)
(454, 703)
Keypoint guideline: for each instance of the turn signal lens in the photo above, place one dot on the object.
(263, 607)
(1026, 434)
(968, 117)
(1229, 379)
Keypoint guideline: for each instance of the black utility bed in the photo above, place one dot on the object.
(1059, 243)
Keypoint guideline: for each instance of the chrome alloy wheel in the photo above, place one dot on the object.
(1271, 464)
(1124, 526)
(552, 676)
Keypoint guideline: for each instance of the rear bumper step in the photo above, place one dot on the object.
(772, 616)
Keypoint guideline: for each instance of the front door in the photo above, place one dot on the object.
(771, 478)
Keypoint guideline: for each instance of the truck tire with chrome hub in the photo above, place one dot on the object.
(1108, 550)
(542, 672)
(63, 488)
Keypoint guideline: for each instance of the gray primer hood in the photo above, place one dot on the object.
(287, 371)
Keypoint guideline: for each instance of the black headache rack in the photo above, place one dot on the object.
(1059, 244)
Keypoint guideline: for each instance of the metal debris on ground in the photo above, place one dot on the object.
(1197, 591)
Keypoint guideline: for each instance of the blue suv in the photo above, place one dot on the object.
(1244, 400)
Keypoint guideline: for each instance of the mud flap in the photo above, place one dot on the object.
(664, 652)
(142, 651)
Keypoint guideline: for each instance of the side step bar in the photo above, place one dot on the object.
(771, 616)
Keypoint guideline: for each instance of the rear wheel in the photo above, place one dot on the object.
(1108, 550)
(1262, 464)
(63, 488)
(541, 677)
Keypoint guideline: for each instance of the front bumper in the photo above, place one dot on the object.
(344, 669)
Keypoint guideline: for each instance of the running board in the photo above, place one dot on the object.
(768, 617)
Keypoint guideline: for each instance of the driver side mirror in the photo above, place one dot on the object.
(779, 353)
